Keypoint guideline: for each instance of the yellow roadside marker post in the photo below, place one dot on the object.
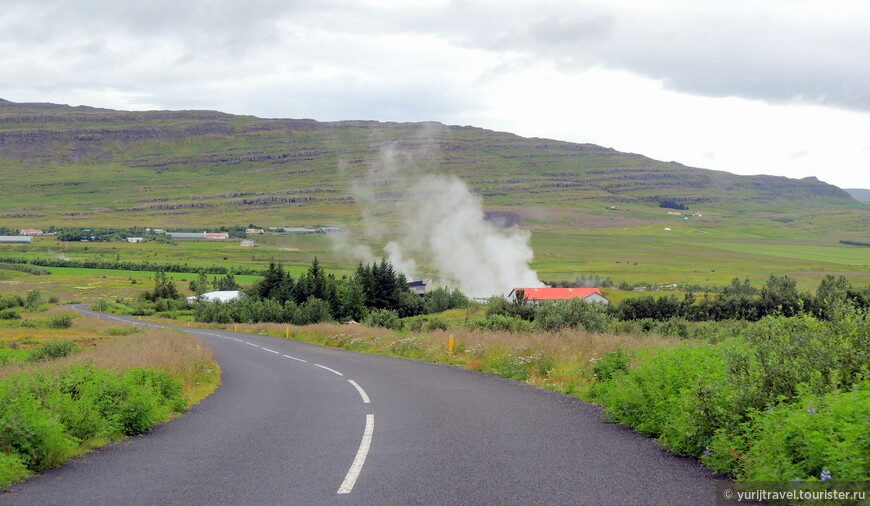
(287, 333)
(450, 344)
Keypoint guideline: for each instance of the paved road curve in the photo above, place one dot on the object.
(295, 423)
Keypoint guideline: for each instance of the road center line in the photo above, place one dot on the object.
(362, 392)
(252, 344)
(356, 467)
(328, 369)
(270, 351)
(294, 358)
(237, 339)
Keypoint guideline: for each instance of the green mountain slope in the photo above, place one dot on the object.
(861, 195)
(81, 165)
(590, 210)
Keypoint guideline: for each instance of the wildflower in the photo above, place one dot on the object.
(811, 411)
(707, 452)
(826, 475)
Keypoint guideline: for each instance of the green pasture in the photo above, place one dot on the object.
(852, 256)
(294, 251)
(666, 259)
(708, 253)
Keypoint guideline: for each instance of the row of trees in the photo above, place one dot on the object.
(128, 266)
(316, 295)
(738, 301)
(742, 301)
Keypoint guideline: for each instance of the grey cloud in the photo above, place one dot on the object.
(778, 51)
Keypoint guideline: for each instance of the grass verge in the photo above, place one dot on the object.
(53, 410)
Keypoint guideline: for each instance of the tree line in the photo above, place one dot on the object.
(130, 266)
(739, 301)
(316, 296)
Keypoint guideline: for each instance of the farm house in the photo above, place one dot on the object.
(538, 295)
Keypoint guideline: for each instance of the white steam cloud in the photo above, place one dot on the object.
(442, 226)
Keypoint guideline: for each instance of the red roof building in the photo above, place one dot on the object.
(31, 231)
(542, 294)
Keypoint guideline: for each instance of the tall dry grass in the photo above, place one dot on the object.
(182, 355)
(557, 360)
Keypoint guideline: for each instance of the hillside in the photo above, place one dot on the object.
(82, 165)
(861, 195)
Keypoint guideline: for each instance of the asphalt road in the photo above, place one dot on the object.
(294, 423)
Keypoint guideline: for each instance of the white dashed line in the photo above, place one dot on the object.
(328, 369)
(237, 339)
(252, 344)
(270, 351)
(356, 467)
(362, 392)
(294, 358)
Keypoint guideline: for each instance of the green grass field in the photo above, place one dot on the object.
(645, 255)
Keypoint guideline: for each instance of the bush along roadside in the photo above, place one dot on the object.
(48, 417)
(790, 400)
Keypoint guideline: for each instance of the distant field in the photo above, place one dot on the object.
(640, 255)
(648, 257)
(843, 255)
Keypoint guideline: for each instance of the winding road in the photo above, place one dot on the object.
(295, 423)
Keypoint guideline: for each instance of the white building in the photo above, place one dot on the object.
(218, 296)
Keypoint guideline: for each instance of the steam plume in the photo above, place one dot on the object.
(443, 226)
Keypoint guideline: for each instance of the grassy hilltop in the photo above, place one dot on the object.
(591, 209)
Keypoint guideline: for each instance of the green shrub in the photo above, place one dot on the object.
(101, 305)
(45, 416)
(30, 431)
(10, 301)
(9, 314)
(799, 441)
(613, 363)
(574, 313)
(417, 324)
(386, 318)
(313, 310)
(33, 300)
(60, 322)
(781, 354)
(436, 323)
(51, 350)
(11, 469)
(499, 322)
(667, 394)
(672, 327)
(167, 388)
(787, 401)
(517, 308)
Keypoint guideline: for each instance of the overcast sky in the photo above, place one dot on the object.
(751, 87)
